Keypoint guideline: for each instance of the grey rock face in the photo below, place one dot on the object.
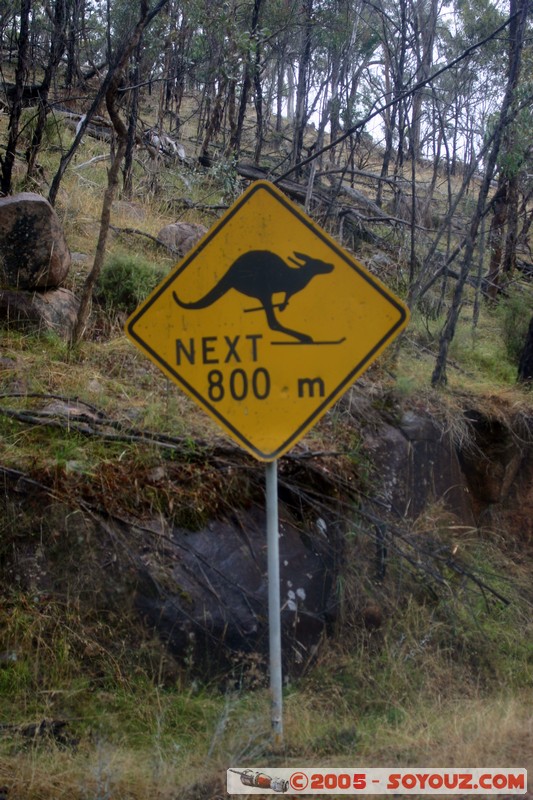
(33, 250)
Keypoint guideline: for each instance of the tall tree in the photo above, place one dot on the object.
(21, 74)
(135, 77)
(394, 28)
(58, 43)
(425, 18)
(249, 77)
(302, 91)
(117, 75)
(525, 367)
(505, 203)
(519, 10)
(76, 16)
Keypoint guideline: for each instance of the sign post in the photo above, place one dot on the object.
(265, 324)
(274, 609)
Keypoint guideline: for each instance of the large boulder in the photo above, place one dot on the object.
(417, 464)
(33, 250)
(206, 592)
(56, 311)
(180, 237)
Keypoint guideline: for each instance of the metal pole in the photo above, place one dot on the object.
(274, 607)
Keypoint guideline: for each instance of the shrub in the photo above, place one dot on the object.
(514, 312)
(52, 129)
(125, 281)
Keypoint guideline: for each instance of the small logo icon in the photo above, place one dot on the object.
(261, 781)
(299, 781)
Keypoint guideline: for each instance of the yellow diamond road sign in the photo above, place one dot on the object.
(266, 322)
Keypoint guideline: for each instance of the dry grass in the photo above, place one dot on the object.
(461, 732)
(456, 732)
(372, 703)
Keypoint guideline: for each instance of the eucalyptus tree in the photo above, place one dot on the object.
(474, 89)
(518, 19)
(219, 42)
(425, 16)
(76, 33)
(7, 29)
(393, 77)
(303, 59)
(21, 75)
(245, 52)
(280, 21)
(251, 77)
(113, 82)
(513, 163)
(331, 47)
(56, 49)
(178, 56)
(348, 43)
(152, 69)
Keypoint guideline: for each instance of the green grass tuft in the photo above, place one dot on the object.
(125, 281)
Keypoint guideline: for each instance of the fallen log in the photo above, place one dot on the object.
(322, 198)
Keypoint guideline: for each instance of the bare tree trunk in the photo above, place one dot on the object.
(455, 128)
(425, 17)
(73, 71)
(105, 219)
(16, 109)
(121, 132)
(394, 66)
(184, 37)
(231, 114)
(304, 60)
(527, 217)
(58, 46)
(127, 177)
(439, 377)
(291, 89)
(279, 95)
(248, 76)
(479, 277)
(258, 101)
(511, 237)
(215, 117)
(496, 238)
(525, 367)
(390, 123)
(332, 108)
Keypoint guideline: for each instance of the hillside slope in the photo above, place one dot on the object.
(416, 503)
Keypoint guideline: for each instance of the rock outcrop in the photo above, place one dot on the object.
(214, 601)
(34, 252)
(498, 468)
(180, 237)
(34, 263)
(204, 592)
(416, 464)
(55, 310)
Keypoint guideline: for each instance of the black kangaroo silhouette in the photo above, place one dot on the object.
(262, 274)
